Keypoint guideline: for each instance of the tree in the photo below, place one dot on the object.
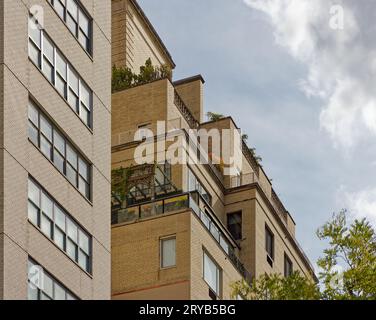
(353, 248)
(252, 150)
(277, 287)
(123, 77)
(119, 184)
(212, 116)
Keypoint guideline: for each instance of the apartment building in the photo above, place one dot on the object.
(184, 230)
(55, 84)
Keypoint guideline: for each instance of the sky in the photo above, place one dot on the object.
(297, 76)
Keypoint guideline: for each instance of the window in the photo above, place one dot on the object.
(57, 149)
(56, 224)
(50, 61)
(168, 252)
(212, 274)
(234, 225)
(288, 266)
(77, 20)
(195, 185)
(269, 245)
(43, 286)
(163, 178)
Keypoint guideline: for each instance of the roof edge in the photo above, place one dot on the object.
(189, 79)
(153, 31)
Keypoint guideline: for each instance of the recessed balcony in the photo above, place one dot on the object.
(193, 201)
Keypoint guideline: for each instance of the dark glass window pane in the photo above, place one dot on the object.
(59, 161)
(34, 193)
(32, 292)
(72, 9)
(72, 230)
(83, 169)
(34, 32)
(46, 147)
(84, 40)
(84, 241)
(59, 218)
(269, 243)
(84, 188)
(73, 100)
(59, 7)
(59, 142)
(72, 25)
(234, 224)
(71, 174)
(71, 250)
(59, 238)
(85, 115)
(47, 205)
(84, 23)
(34, 54)
(59, 292)
(72, 157)
(61, 65)
(33, 114)
(83, 260)
(46, 128)
(48, 49)
(46, 226)
(33, 213)
(48, 70)
(61, 85)
(33, 134)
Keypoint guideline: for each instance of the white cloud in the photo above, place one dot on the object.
(360, 204)
(341, 64)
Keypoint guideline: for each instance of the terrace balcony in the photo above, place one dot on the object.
(201, 210)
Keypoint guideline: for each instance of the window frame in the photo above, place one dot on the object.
(218, 290)
(233, 224)
(54, 225)
(55, 283)
(198, 186)
(270, 255)
(56, 74)
(78, 27)
(56, 152)
(288, 271)
(161, 248)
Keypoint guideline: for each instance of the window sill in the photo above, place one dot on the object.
(167, 268)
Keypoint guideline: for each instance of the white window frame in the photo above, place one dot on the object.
(161, 241)
(218, 288)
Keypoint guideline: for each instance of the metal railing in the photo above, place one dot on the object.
(184, 110)
(243, 180)
(199, 206)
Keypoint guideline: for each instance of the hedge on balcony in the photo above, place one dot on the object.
(123, 77)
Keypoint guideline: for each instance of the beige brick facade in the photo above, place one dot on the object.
(136, 272)
(20, 79)
(134, 38)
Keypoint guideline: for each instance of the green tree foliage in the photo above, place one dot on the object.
(212, 116)
(348, 268)
(119, 184)
(123, 77)
(252, 150)
(353, 247)
(277, 287)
